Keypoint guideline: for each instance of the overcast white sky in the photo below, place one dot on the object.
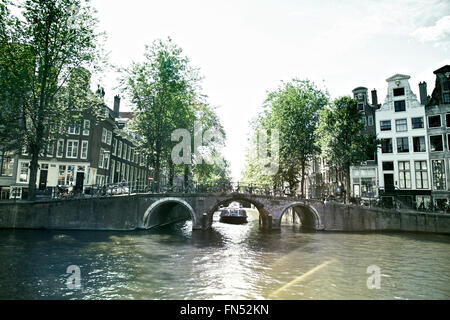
(244, 48)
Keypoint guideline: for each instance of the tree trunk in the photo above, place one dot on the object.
(171, 172)
(33, 173)
(157, 174)
(347, 184)
(186, 176)
(303, 180)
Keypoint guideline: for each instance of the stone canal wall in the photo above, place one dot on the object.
(338, 217)
(127, 213)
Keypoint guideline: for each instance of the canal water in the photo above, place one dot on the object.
(228, 262)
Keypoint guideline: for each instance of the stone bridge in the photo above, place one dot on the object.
(201, 208)
(144, 211)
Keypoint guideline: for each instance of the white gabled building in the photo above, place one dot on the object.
(403, 161)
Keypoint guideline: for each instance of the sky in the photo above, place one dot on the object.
(246, 48)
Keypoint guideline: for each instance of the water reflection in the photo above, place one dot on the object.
(227, 262)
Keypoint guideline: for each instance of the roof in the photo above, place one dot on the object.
(126, 115)
(360, 89)
(398, 76)
(444, 69)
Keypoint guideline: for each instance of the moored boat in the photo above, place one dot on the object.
(233, 214)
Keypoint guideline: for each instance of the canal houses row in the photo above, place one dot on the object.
(412, 164)
(95, 151)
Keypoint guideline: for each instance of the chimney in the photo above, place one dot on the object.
(374, 98)
(116, 106)
(423, 93)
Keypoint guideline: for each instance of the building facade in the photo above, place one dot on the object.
(403, 162)
(363, 178)
(8, 172)
(437, 112)
(93, 152)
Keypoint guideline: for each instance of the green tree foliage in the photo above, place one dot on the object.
(41, 58)
(342, 139)
(293, 110)
(165, 90)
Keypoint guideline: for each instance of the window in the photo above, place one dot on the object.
(84, 149)
(101, 158)
(436, 143)
(360, 106)
(447, 85)
(117, 171)
(23, 173)
(401, 125)
(385, 125)
(114, 146)
(448, 142)
(439, 179)
(119, 152)
(404, 172)
(129, 153)
(62, 176)
(86, 127)
(421, 175)
(106, 160)
(399, 92)
(402, 145)
(419, 144)
(104, 135)
(388, 166)
(386, 145)
(400, 105)
(124, 155)
(417, 123)
(111, 172)
(434, 121)
(50, 148)
(363, 119)
(74, 129)
(447, 120)
(109, 137)
(72, 149)
(103, 161)
(370, 121)
(446, 97)
(99, 180)
(60, 148)
(6, 163)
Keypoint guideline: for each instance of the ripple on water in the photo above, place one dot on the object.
(228, 262)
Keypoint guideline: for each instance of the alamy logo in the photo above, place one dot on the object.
(374, 281)
(74, 280)
(182, 152)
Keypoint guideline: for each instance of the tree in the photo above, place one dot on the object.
(293, 110)
(50, 45)
(163, 90)
(342, 139)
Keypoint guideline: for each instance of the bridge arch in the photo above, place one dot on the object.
(165, 211)
(237, 198)
(308, 215)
